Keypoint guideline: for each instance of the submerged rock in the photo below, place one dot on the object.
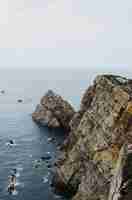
(11, 142)
(19, 100)
(98, 133)
(2, 91)
(51, 139)
(46, 157)
(53, 111)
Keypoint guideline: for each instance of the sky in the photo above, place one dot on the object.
(66, 33)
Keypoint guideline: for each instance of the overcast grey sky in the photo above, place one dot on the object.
(66, 33)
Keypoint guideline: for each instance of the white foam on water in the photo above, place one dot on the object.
(17, 174)
(19, 168)
(45, 179)
(9, 144)
(48, 173)
(49, 139)
(14, 193)
(17, 183)
(56, 196)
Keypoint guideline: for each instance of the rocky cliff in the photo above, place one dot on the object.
(96, 152)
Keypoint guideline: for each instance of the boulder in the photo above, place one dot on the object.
(98, 131)
(53, 111)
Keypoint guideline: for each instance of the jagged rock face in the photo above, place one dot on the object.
(104, 126)
(126, 185)
(53, 111)
(87, 98)
(75, 121)
(117, 179)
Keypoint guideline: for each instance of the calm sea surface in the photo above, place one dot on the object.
(33, 183)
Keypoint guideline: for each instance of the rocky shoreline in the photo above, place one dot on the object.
(97, 153)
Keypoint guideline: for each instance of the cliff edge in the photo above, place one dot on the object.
(95, 153)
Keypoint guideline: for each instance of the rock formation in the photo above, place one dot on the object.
(53, 111)
(95, 152)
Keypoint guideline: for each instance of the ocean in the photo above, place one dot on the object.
(31, 140)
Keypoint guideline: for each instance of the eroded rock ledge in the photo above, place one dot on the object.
(97, 151)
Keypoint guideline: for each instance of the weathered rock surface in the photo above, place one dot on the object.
(75, 121)
(117, 179)
(98, 134)
(53, 111)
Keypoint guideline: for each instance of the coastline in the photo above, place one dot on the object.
(91, 155)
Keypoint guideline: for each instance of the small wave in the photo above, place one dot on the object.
(17, 174)
(57, 196)
(45, 179)
(19, 168)
(48, 173)
(48, 152)
(11, 143)
(8, 144)
(20, 184)
(17, 183)
(14, 193)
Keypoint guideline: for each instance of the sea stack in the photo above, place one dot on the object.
(53, 111)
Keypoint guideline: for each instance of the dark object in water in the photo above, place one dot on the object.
(2, 91)
(46, 157)
(14, 171)
(19, 100)
(11, 142)
(49, 166)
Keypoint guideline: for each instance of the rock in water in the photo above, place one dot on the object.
(19, 100)
(53, 111)
(46, 157)
(2, 91)
(104, 125)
